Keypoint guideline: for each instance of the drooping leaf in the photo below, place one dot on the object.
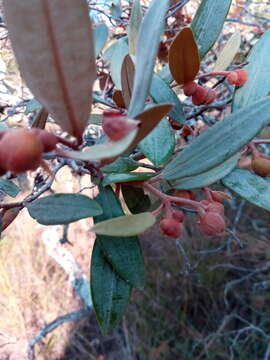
(115, 56)
(110, 293)
(135, 199)
(159, 145)
(258, 68)
(106, 150)
(184, 59)
(63, 208)
(8, 217)
(123, 253)
(126, 177)
(134, 26)
(56, 56)
(120, 165)
(228, 53)
(161, 92)
(151, 29)
(220, 142)
(123, 226)
(101, 33)
(9, 188)
(118, 98)
(208, 22)
(206, 178)
(127, 79)
(249, 186)
(149, 120)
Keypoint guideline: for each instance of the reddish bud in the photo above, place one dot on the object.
(242, 77)
(261, 166)
(213, 206)
(200, 96)
(163, 52)
(186, 194)
(212, 223)
(117, 127)
(232, 77)
(48, 140)
(171, 227)
(20, 150)
(186, 131)
(220, 196)
(175, 125)
(178, 215)
(190, 88)
(211, 96)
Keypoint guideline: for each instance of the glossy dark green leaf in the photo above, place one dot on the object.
(9, 187)
(220, 142)
(162, 93)
(151, 29)
(206, 178)
(101, 33)
(159, 145)
(123, 253)
(258, 68)
(135, 199)
(134, 26)
(114, 178)
(208, 22)
(120, 165)
(63, 208)
(110, 293)
(115, 56)
(249, 186)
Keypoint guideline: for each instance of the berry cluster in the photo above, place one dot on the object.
(237, 77)
(200, 94)
(22, 149)
(210, 217)
(116, 124)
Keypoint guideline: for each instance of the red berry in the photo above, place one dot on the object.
(48, 140)
(186, 194)
(190, 88)
(112, 113)
(211, 96)
(20, 150)
(261, 166)
(213, 206)
(171, 227)
(200, 96)
(232, 77)
(178, 215)
(175, 125)
(212, 223)
(242, 77)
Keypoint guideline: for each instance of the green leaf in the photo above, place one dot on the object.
(123, 226)
(101, 33)
(115, 55)
(151, 29)
(206, 178)
(9, 188)
(249, 186)
(220, 142)
(134, 26)
(60, 209)
(110, 293)
(161, 92)
(135, 199)
(123, 253)
(228, 53)
(208, 22)
(258, 68)
(165, 74)
(120, 165)
(106, 150)
(159, 145)
(126, 177)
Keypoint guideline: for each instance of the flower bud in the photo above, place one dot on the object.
(261, 166)
(242, 77)
(186, 194)
(171, 227)
(213, 206)
(212, 223)
(220, 196)
(211, 96)
(200, 95)
(232, 77)
(190, 88)
(178, 215)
